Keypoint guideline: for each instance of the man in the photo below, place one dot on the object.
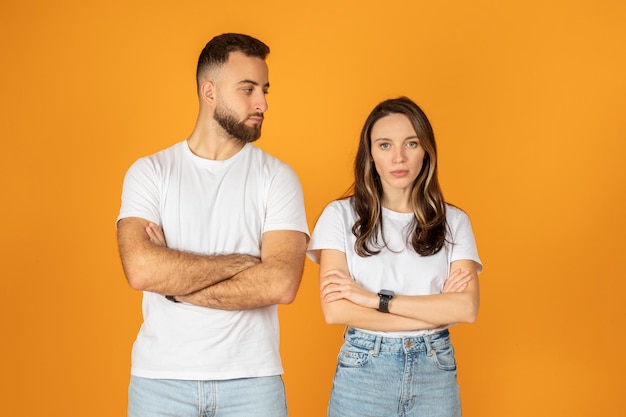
(213, 231)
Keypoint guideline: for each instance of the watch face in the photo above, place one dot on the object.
(388, 293)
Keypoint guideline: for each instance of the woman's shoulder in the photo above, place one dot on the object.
(456, 218)
(453, 211)
(340, 208)
(341, 205)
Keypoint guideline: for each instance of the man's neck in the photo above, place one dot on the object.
(209, 142)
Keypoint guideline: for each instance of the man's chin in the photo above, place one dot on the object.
(250, 137)
(251, 140)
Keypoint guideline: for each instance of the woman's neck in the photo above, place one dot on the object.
(399, 203)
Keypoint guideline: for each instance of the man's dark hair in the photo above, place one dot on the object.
(217, 50)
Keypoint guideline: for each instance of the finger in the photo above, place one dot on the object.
(151, 235)
(457, 276)
(453, 284)
(154, 237)
(334, 280)
(334, 296)
(329, 289)
(158, 233)
(335, 272)
(459, 286)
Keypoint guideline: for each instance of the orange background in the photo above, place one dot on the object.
(528, 103)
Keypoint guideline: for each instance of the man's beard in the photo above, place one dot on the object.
(227, 120)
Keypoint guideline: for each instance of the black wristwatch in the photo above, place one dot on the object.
(384, 297)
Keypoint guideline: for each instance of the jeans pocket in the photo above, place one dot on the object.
(352, 356)
(443, 355)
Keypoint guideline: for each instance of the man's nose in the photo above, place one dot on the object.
(260, 104)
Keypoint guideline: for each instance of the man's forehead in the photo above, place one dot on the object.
(241, 68)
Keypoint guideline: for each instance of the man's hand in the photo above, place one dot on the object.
(150, 265)
(156, 235)
(275, 280)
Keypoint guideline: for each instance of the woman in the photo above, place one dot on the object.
(398, 266)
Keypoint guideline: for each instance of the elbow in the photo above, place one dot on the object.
(287, 295)
(142, 272)
(472, 313)
(330, 315)
(136, 275)
(471, 318)
(330, 319)
(287, 298)
(136, 281)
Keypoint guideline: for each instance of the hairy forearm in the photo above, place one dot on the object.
(152, 267)
(347, 313)
(172, 272)
(257, 287)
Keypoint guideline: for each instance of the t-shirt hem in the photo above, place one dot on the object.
(125, 215)
(204, 376)
(287, 227)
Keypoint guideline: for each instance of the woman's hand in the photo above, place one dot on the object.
(337, 284)
(457, 281)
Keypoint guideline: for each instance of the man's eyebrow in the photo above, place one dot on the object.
(267, 85)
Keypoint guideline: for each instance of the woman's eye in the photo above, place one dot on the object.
(412, 144)
(384, 146)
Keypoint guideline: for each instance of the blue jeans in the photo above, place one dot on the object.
(259, 397)
(395, 376)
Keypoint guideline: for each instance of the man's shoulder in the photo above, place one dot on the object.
(157, 162)
(265, 158)
(170, 153)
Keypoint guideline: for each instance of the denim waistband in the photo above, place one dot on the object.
(376, 343)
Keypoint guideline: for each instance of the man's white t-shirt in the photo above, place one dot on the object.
(397, 267)
(213, 208)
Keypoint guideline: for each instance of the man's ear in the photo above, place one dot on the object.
(207, 92)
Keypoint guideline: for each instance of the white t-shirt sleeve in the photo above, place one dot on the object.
(463, 245)
(329, 232)
(141, 192)
(285, 208)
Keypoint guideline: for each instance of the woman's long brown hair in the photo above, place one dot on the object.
(428, 229)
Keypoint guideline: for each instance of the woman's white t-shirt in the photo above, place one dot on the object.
(397, 267)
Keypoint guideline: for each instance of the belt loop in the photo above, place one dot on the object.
(377, 343)
(429, 349)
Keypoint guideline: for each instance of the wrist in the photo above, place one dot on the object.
(374, 301)
(384, 297)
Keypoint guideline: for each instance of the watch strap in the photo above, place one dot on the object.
(383, 303)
